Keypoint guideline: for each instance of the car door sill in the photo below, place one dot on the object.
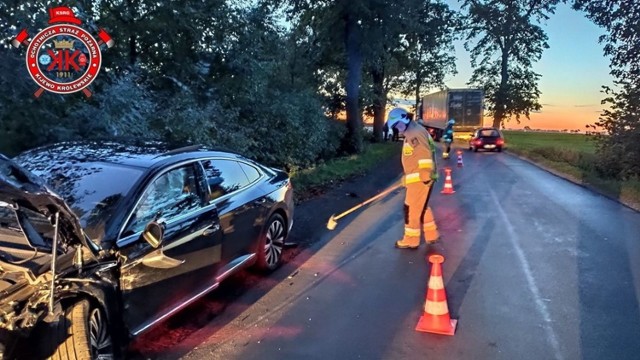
(233, 266)
(226, 271)
(146, 326)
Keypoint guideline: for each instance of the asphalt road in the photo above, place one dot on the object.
(536, 268)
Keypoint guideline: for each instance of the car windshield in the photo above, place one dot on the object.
(92, 190)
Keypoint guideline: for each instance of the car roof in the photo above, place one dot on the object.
(141, 155)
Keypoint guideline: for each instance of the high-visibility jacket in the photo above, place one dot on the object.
(418, 155)
(448, 133)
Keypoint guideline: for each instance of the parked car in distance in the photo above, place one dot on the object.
(101, 241)
(487, 138)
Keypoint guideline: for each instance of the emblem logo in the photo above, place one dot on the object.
(63, 58)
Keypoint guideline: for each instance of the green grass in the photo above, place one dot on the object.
(311, 181)
(531, 140)
(573, 156)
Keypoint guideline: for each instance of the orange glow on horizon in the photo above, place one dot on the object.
(550, 118)
(556, 118)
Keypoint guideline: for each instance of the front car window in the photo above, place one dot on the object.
(170, 195)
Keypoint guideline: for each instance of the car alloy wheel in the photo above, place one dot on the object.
(101, 345)
(272, 243)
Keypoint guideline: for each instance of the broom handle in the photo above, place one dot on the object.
(382, 194)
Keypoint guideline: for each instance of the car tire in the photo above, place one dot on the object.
(475, 149)
(499, 149)
(271, 244)
(82, 333)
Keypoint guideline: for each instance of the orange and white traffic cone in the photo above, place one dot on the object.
(448, 183)
(435, 318)
(460, 159)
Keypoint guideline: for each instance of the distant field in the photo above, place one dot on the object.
(530, 140)
(573, 156)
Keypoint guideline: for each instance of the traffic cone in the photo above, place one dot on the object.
(435, 318)
(448, 183)
(460, 159)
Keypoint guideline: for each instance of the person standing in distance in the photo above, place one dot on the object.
(448, 138)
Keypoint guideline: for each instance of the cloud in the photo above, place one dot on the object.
(549, 105)
(585, 105)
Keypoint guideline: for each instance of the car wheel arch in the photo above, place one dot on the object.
(107, 300)
(59, 334)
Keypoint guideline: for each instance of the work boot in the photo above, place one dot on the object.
(403, 244)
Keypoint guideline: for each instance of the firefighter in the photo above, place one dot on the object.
(448, 138)
(419, 164)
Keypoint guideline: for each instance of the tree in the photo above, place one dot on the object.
(430, 51)
(344, 28)
(619, 150)
(408, 44)
(505, 39)
(384, 51)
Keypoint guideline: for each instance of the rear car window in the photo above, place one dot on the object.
(252, 173)
(223, 177)
(489, 133)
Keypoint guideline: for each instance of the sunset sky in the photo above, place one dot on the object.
(573, 70)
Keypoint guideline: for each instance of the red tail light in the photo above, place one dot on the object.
(500, 142)
(478, 142)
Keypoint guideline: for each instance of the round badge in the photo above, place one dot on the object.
(63, 59)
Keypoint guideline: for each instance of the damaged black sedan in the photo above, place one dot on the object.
(100, 242)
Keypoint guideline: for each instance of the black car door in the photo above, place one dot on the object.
(239, 204)
(156, 282)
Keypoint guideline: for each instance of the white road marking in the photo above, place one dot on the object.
(526, 268)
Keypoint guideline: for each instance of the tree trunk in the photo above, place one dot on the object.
(133, 50)
(353, 140)
(379, 103)
(503, 91)
(418, 88)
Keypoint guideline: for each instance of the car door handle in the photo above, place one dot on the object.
(211, 229)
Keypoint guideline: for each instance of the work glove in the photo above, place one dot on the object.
(434, 176)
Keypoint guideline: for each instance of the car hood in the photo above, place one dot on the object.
(22, 188)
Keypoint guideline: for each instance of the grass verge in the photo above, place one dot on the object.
(572, 156)
(313, 181)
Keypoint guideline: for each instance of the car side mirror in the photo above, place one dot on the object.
(153, 234)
